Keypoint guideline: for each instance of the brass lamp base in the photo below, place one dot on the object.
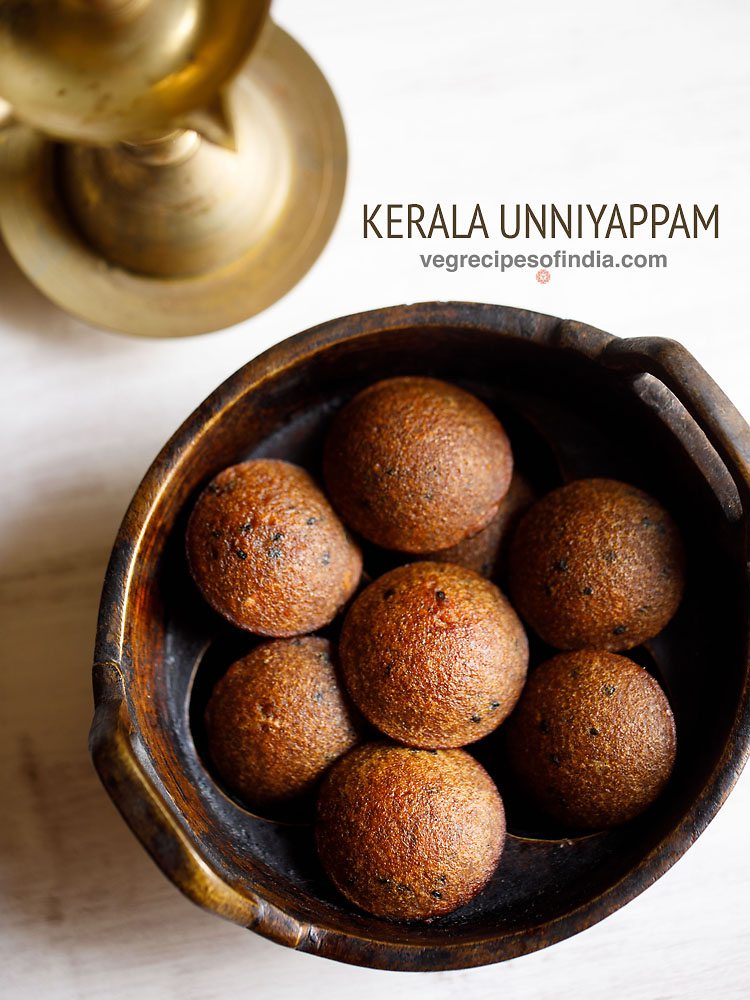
(229, 235)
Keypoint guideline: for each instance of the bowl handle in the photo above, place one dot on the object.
(117, 755)
(718, 418)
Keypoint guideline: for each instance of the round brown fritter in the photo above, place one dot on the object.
(277, 720)
(484, 551)
(597, 564)
(415, 464)
(433, 655)
(267, 550)
(409, 834)
(592, 741)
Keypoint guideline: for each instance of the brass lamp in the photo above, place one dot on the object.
(167, 167)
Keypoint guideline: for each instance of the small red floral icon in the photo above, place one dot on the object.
(543, 276)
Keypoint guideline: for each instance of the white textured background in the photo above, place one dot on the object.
(644, 101)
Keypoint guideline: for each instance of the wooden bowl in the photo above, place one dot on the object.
(577, 402)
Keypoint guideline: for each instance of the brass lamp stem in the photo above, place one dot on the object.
(113, 8)
(168, 150)
(6, 113)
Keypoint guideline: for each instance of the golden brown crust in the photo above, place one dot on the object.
(597, 564)
(268, 552)
(277, 720)
(409, 834)
(415, 464)
(485, 551)
(593, 739)
(433, 655)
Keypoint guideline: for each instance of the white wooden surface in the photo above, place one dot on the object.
(645, 101)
